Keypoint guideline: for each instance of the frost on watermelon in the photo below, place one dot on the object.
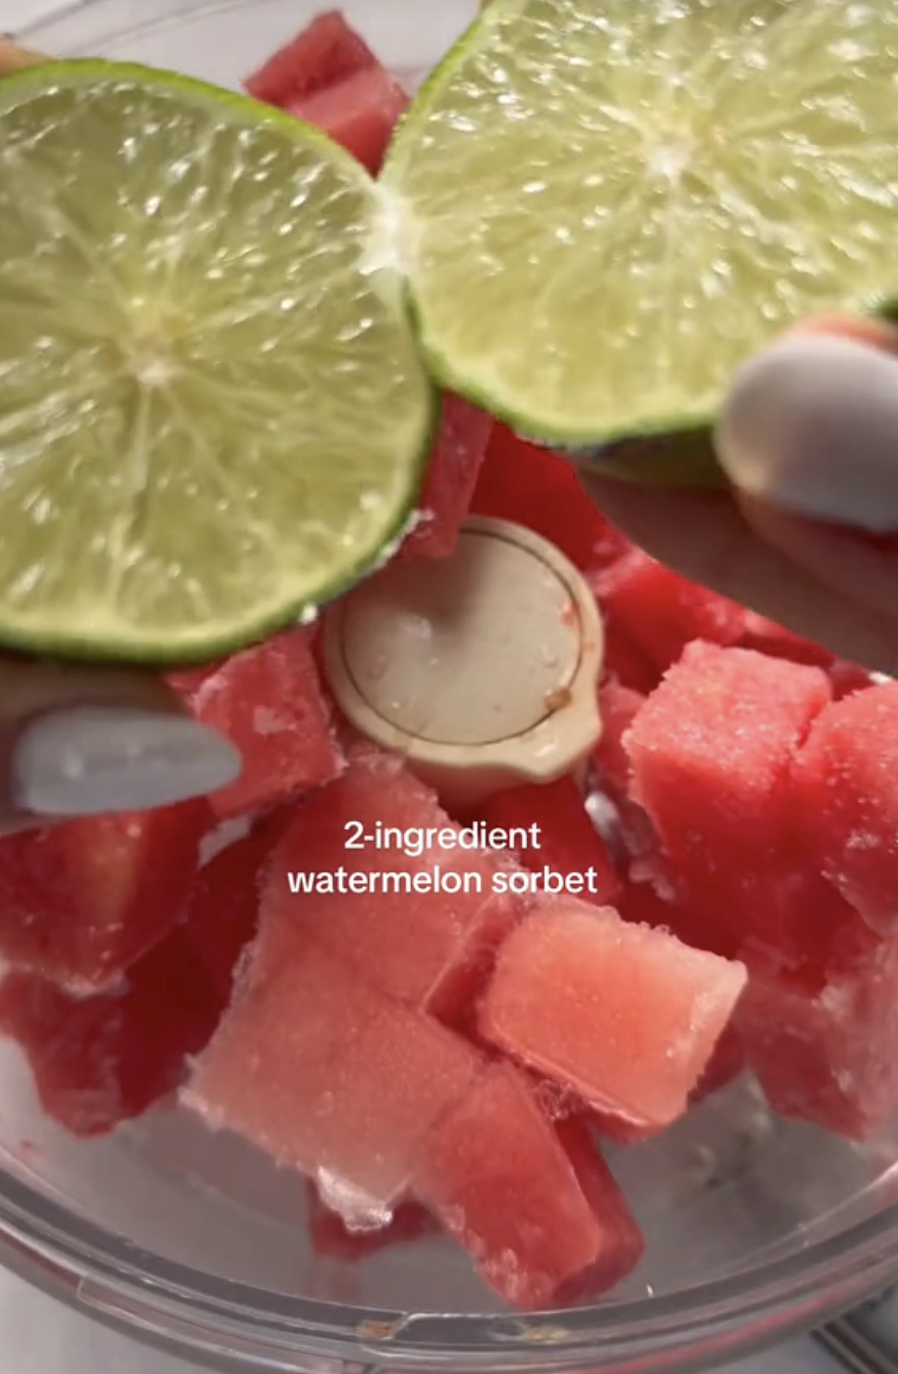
(450, 478)
(268, 701)
(826, 1050)
(360, 113)
(543, 1225)
(102, 1059)
(711, 754)
(332, 1239)
(81, 902)
(569, 844)
(327, 52)
(427, 948)
(326, 1075)
(846, 796)
(534, 487)
(624, 1016)
(660, 612)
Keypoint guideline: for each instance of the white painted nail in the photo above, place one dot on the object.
(89, 760)
(811, 425)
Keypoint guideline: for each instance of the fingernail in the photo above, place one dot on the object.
(89, 760)
(811, 425)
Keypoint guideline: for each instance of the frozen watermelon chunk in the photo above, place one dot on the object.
(539, 489)
(726, 1064)
(83, 901)
(423, 946)
(450, 478)
(626, 663)
(847, 799)
(360, 113)
(618, 708)
(327, 52)
(223, 913)
(328, 1076)
(711, 754)
(847, 677)
(660, 611)
(652, 899)
(539, 1226)
(570, 848)
(827, 1052)
(624, 1016)
(268, 701)
(331, 1238)
(767, 637)
(103, 1059)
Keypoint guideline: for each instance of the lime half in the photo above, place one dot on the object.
(213, 414)
(610, 204)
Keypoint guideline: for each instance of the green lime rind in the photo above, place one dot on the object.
(213, 414)
(735, 168)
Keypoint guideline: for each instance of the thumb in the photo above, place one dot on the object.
(80, 742)
(810, 426)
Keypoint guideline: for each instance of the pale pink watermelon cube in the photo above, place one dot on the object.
(541, 1224)
(846, 794)
(624, 1016)
(825, 1050)
(269, 702)
(424, 947)
(326, 1075)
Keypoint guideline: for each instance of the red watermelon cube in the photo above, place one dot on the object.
(846, 796)
(328, 1076)
(624, 1016)
(82, 902)
(327, 52)
(450, 479)
(223, 913)
(767, 637)
(826, 1051)
(268, 701)
(618, 708)
(541, 1226)
(569, 844)
(360, 113)
(534, 487)
(423, 946)
(711, 754)
(102, 1059)
(661, 612)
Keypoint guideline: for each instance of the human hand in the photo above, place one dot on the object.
(77, 742)
(808, 533)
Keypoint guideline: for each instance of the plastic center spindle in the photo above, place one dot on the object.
(482, 669)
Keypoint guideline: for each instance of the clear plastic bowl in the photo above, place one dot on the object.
(755, 1227)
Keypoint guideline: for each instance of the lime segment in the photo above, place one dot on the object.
(212, 411)
(610, 205)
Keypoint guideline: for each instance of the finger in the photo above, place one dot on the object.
(78, 742)
(810, 426)
(707, 539)
(862, 567)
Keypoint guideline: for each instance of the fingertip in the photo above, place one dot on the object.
(810, 425)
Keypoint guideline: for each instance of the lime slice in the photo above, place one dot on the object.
(610, 204)
(213, 414)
